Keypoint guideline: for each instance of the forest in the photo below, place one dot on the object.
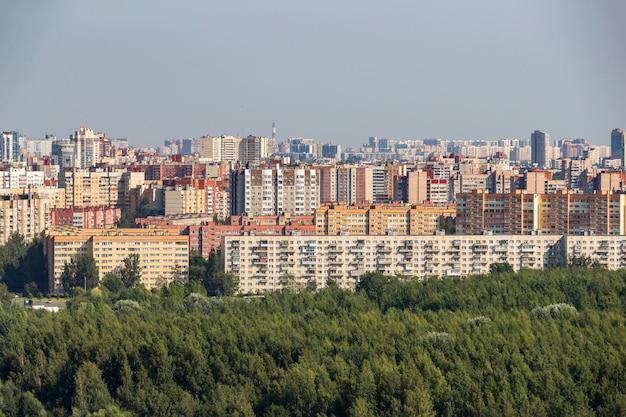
(532, 343)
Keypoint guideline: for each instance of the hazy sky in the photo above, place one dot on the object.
(339, 70)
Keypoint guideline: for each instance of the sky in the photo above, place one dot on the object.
(334, 71)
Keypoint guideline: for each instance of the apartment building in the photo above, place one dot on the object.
(219, 148)
(379, 220)
(159, 250)
(347, 184)
(275, 190)
(26, 213)
(86, 217)
(268, 263)
(91, 187)
(563, 212)
(184, 200)
(16, 178)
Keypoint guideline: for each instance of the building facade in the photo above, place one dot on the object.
(562, 212)
(86, 217)
(26, 213)
(160, 252)
(268, 263)
(274, 191)
(539, 144)
(380, 220)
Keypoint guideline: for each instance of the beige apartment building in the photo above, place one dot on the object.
(184, 200)
(379, 220)
(25, 213)
(268, 263)
(159, 250)
(560, 213)
(91, 187)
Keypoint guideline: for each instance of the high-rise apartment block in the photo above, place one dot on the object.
(275, 190)
(184, 200)
(379, 220)
(561, 213)
(26, 213)
(160, 252)
(253, 149)
(540, 144)
(618, 142)
(347, 184)
(11, 144)
(91, 187)
(87, 147)
(219, 148)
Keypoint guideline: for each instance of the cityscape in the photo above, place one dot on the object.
(308, 212)
(309, 209)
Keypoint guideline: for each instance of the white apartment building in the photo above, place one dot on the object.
(219, 148)
(20, 178)
(266, 263)
(87, 147)
(276, 190)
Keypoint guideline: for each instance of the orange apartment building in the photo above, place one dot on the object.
(563, 212)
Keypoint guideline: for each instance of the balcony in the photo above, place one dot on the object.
(431, 249)
(527, 248)
(453, 273)
(384, 250)
(481, 248)
(500, 249)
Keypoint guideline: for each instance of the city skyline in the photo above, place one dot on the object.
(334, 73)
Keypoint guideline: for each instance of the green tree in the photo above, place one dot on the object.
(130, 272)
(222, 284)
(87, 274)
(90, 392)
(112, 282)
(197, 267)
(500, 267)
(177, 274)
(447, 224)
(80, 272)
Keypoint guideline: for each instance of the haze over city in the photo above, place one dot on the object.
(332, 71)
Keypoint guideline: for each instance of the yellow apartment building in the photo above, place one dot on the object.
(380, 220)
(91, 187)
(159, 252)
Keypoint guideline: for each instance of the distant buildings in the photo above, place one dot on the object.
(618, 142)
(11, 144)
(539, 144)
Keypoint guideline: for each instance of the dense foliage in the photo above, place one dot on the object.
(534, 343)
(22, 265)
